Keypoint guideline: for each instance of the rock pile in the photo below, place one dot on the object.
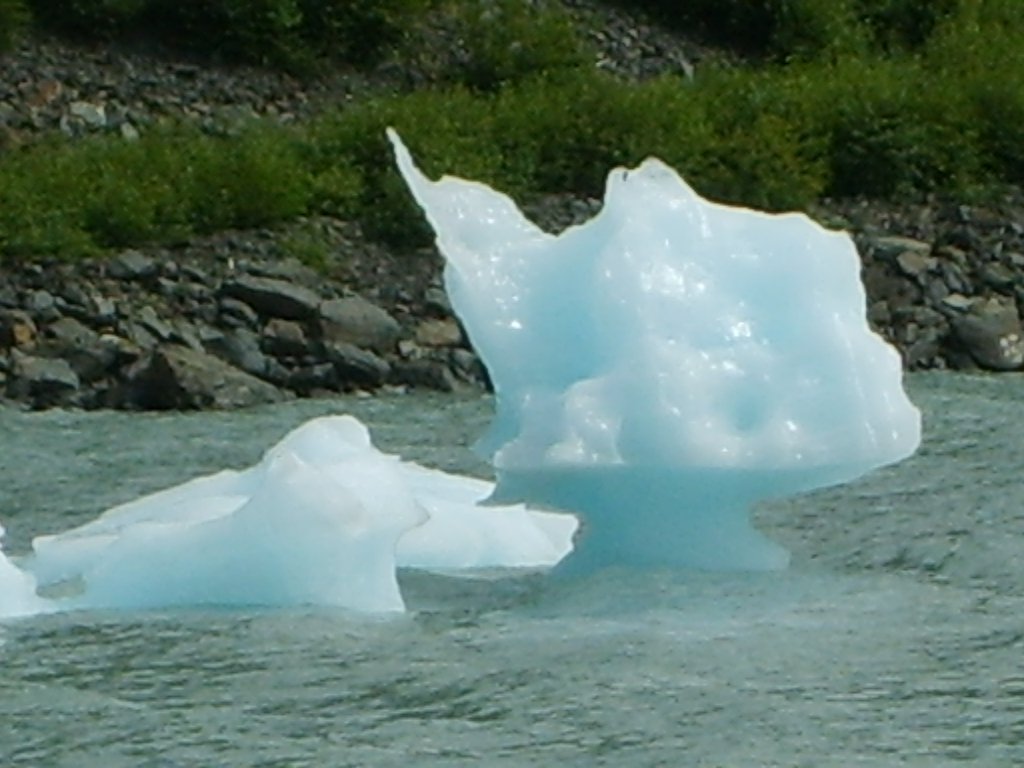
(151, 331)
(49, 86)
(945, 283)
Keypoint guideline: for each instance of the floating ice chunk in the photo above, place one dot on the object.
(324, 519)
(317, 522)
(17, 589)
(668, 363)
(460, 535)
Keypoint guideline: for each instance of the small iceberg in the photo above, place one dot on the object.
(324, 519)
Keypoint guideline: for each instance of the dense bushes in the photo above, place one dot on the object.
(287, 33)
(783, 29)
(71, 200)
(775, 139)
(13, 19)
(911, 98)
(506, 41)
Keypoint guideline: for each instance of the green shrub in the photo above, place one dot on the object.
(814, 29)
(884, 127)
(980, 54)
(259, 31)
(91, 19)
(905, 24)
(778, 29)
(258, 179)
(14, 18)
(133, 192)
(293, 34)
(948, 117)
(784, 29)
(75, 199)
(306, 245)
(357, 31)
(450, 130)
(547, 135)
(511, 40)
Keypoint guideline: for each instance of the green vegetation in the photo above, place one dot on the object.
(75, 199)
(13, 21)
(294, 34)
(885, 98)
(808, 29)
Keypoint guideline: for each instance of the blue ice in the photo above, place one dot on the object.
(664, 366)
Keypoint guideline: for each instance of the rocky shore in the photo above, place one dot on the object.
(944, 281)
(223, 322)
(239, 318)
(230, 321)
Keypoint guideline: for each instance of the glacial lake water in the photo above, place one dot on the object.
(895, 639)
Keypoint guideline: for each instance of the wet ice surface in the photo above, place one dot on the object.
(696, 355)
(896, 637)
(324, 519)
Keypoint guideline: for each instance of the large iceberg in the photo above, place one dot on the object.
(324, 519)
(668, 363)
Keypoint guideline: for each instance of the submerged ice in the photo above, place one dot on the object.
(657, 371)
(323, 519)
(668, 363)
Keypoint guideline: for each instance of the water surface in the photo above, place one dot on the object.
(896, 638)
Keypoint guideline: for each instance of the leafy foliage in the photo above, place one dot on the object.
(14, 18)
(75, 199)
(783, 29)
(87, 18)
(885, 98)
(288, 33)
(510, 40)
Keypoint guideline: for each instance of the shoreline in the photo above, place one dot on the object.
(240, 317)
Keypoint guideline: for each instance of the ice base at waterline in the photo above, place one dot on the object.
(668, 363)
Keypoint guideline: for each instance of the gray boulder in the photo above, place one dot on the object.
(425, 373)
(354, 320)
(90, 356)
(891, 247)
(173, 377)
(273, 298)
(990, 332)
(240, 348)
(284, 339)
(17, 329)
(42, 306)
(8, 296)
(436, 302)
(236, 314)
(41, 381)
(439, 333)
(357, 368)
(150, 321)
(132, 265)
(308, 380)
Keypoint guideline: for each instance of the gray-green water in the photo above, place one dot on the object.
(897, 637)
